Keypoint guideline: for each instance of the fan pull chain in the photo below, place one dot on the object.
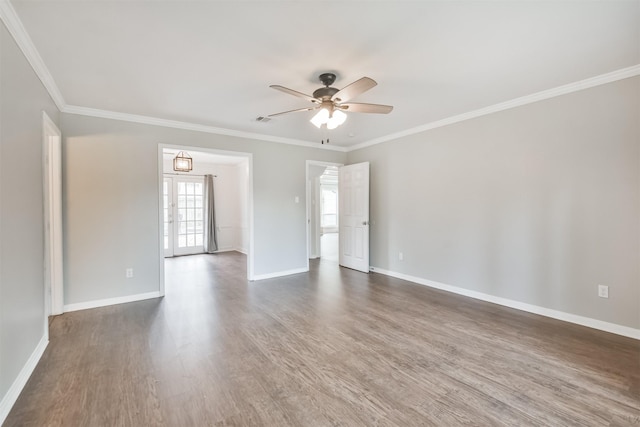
(326, 133)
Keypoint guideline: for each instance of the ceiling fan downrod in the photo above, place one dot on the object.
(327, 79)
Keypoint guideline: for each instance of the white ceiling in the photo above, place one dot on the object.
(211, 62)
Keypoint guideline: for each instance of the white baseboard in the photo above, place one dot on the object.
(110, 301)
(14, 391)
(219, 251)
(547, 312)
(280, 274)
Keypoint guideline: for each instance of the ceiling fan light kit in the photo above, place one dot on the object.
(332, 102)
(320, 118)
(332, 119)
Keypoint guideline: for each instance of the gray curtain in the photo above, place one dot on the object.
(210, 239)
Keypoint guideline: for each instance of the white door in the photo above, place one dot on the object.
(168, 205)
(353, 192)
(188, 216)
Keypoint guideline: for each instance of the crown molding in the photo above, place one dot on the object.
(14, 25)
(611, 77)
(134, 118)
(16, 29)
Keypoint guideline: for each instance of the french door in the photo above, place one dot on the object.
(183, 215)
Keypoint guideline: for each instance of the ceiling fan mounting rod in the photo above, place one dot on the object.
(327, 79)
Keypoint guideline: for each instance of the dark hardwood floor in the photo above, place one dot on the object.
(331, 347)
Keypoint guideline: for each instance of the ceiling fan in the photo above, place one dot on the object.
(333, 102)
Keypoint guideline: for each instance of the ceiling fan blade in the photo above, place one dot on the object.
(366, 108)
(295, 93)
(293, 111)
(354, 89)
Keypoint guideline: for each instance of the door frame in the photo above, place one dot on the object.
(308, 198)
(52, 194)
(169, 251)
(249, 157)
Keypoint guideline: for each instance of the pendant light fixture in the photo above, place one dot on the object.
(183, 162)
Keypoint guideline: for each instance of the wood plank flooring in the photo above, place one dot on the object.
(333, 347)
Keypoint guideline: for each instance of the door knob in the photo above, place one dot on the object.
(364, 222)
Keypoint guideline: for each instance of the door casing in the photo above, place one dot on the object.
(52, 186)
(160, 160)
(309, 204)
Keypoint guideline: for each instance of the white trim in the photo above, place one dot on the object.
(52, 184)
(161, 253)
(134, 118)
(279, 274)
(611, 77)
(222, 250)
(219, 251)
(14, 391)
(547, 312)
(251, 225)
(16, 29)
(110, 301)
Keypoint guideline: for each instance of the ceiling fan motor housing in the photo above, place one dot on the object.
(325, 93)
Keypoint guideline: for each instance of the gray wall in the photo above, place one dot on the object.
(537, 204)
(110, 203)
(22, 99)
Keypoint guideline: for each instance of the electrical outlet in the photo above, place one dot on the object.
(129, 273)
(400, 256)
(603, 291)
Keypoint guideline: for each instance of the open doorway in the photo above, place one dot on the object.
(208, 209)
(322, 211)
(329, 214)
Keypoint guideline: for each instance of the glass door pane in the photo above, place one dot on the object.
(189, 217)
